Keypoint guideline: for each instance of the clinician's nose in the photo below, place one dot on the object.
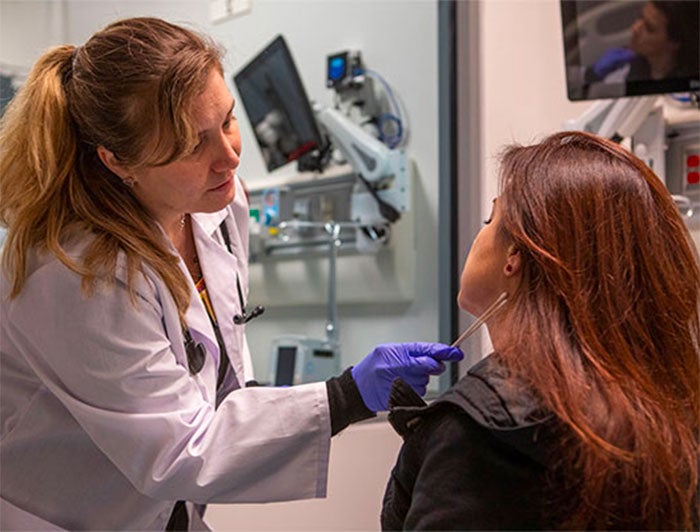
(227, 152)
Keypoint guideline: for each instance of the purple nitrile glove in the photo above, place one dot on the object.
(412, 362)
(612, 60)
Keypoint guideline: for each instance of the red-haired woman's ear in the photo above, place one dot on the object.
(513, 262)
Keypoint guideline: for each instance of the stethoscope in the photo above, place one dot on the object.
(196, 352)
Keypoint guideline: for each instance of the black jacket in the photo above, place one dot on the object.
(475, 458)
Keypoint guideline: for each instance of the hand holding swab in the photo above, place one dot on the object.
(495, 306)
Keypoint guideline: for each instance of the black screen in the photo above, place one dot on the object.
(617, 48)
(286, 360)
(276, 103)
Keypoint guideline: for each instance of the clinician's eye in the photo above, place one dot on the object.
(229, 120)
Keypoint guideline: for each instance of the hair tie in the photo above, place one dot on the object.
(74, 57)
(71, 64)
(68, 74)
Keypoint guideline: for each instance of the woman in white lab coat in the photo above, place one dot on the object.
(123, 374)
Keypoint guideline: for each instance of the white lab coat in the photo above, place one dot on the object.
(103, 427)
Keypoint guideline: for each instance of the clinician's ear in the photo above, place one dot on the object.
(514, 262)
(112, 162)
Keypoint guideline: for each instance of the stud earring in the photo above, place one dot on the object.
(129, 182)
(509, 268)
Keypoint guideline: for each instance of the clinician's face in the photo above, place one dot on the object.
(203, 180)
(483, 276)
(650, 33)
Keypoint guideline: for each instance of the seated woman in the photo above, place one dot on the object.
(587, 413)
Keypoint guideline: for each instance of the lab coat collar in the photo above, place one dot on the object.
(210, 222)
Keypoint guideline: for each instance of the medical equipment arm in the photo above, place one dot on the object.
(367, 155)
(384, 171)
(638, 119)
(616, 119)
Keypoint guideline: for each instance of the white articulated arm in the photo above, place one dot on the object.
(384, 169)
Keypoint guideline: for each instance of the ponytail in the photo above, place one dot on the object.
(38, 148)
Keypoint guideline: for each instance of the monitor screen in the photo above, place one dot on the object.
(617, 48)
(274, 98)
(286, 362)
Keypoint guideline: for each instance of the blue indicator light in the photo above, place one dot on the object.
(336, 68)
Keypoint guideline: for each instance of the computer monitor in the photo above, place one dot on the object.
(617, 48)
(274, 98)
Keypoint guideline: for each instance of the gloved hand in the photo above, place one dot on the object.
(413, 362)
(612, 60)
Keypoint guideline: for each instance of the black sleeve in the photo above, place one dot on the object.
(346, 404)
(452, 474)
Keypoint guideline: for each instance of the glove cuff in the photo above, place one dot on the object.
(345, 402)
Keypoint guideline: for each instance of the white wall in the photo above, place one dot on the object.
(27, 28)
(522, 80)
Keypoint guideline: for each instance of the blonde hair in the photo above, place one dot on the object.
(130, 89)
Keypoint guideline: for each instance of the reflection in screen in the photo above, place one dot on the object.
(630, 47)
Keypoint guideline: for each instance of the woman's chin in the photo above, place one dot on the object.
(464, 303)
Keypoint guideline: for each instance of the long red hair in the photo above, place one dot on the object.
(607, 327)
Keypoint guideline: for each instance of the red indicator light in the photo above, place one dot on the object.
(693, 160)
(693, 178)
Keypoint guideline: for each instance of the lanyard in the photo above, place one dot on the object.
(243, 317)
(195, 350)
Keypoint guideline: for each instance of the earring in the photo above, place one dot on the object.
(509, 268)
(129, 182)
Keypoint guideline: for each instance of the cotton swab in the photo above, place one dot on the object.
(495, 306)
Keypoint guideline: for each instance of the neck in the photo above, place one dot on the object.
(660, 65)
(176, 228)
(497, 327)
(183, 240)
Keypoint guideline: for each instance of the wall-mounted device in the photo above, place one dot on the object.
(344, 70)
(297, 359)
(288, 128)
(683, 163)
